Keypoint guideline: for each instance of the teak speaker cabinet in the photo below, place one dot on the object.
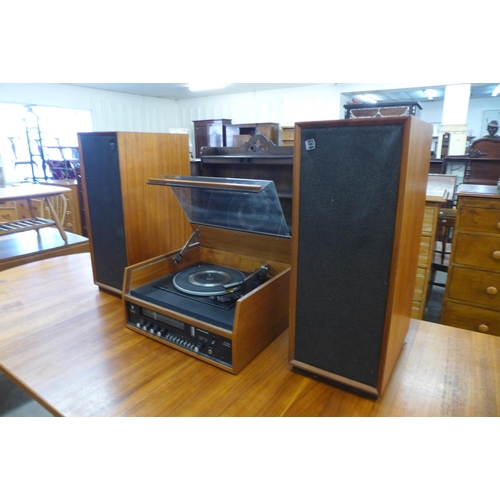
(359, 197)
(129, 221)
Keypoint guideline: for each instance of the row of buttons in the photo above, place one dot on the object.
(161, 332)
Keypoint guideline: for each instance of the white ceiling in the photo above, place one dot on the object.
(179, 91)
(477, 90)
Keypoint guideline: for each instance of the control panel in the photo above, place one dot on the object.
(180, 334)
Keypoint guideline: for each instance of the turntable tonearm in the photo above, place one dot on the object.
(224, 297)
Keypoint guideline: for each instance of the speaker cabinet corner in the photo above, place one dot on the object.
(359, 187)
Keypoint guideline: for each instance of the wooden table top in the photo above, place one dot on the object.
(65, 342)
(23, 191)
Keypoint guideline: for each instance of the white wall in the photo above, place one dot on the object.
(475, 118)
(285, 106)
(110, 110)
(127, 112)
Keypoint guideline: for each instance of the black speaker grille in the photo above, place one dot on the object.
(103, 185)
(349, 183)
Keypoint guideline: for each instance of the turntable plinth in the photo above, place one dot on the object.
(224, 296)
(259, 316)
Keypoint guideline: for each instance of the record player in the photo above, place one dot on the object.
(224, 296)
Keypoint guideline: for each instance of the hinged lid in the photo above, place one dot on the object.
(238, 204)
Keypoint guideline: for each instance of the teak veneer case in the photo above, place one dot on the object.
(260, 316)
(359, 197)
(127, 223)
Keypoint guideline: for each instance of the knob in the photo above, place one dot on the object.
(496, 254)
(198, 347)
(498, 225)
(483, 328)
(491, 290)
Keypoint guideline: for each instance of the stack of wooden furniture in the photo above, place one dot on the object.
(238, 134)
(427, 242)
(440, 192)
(472, 295)
(223, 133)
(258, 158)
(209, 133)
(19, 210)
(72, 220)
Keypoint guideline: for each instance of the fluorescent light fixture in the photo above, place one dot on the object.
(369, 98)
(496, 91)
(430, 93)
(195, 87)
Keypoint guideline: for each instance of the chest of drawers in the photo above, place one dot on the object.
(72, 220)
(472, 295)
(8, 211)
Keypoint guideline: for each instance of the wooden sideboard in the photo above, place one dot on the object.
(472, 294)
(481, 165)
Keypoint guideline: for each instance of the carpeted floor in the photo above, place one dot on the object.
(14, 402)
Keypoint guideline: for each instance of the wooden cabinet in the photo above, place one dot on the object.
(209, 133)
(72, 219)
(8, 211)
(128, 220)
(472, 295)
(355, 246)
(287, 134)
(425, 255)
(256, 159)
(23, 210)
(436, 166)
(237, 135)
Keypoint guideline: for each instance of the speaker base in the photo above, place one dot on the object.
(334, 383)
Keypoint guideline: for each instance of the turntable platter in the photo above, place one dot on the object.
(208, 280)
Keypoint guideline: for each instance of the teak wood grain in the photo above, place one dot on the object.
(259, 316)
(472, 299)
(413, 161)
(69, 348)
(148, 220)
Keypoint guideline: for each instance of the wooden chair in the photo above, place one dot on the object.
(442, 250)
(60, 204)
(445, 225)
